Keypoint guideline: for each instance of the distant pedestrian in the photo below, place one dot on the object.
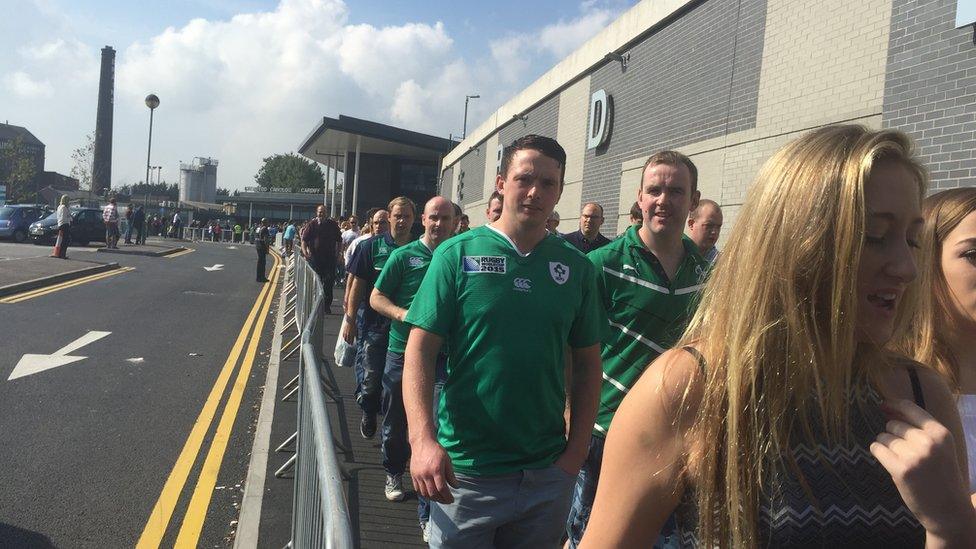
(320, 245)
(553, 223)
(289, 237)
(128, 224)
(177, 225)
(588, 237)
(238, 233)
(110, 215)
(64, 230)
(261, 240)
(139, 224)
(704, 228)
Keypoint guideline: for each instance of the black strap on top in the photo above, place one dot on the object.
(916, 387)
(698, 356)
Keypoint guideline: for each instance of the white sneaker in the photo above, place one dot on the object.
(425, 528)
(394, 488)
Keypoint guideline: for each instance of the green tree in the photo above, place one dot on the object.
(222, 192)
(290, 171)
(84, 159)
(17, 171)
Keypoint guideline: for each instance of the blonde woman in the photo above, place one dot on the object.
(944, 332)
(782, 419)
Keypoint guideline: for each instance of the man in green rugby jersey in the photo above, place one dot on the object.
(392, 295)
(508, 298)
(648, 281)
(373, 329)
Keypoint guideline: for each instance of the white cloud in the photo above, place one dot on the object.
(562, 38)
(257, 83)
(25, 86)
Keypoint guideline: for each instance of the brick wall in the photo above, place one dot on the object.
(693, 80)
(930, 89)
(471, 175)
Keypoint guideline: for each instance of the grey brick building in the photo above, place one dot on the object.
(730, 81)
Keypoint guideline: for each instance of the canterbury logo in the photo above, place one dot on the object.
(523, 284)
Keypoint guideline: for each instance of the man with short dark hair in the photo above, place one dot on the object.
(704, 228)
(648, 281)
(495, 205)
(321, 244)
(588, 237)
(392, 296)
(464, 224)
(508, 298)
(374, 329)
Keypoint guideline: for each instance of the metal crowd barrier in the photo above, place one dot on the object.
(320, 513)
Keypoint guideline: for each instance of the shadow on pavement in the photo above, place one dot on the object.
(12, 536)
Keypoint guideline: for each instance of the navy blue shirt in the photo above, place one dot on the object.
(583, 244)
(366, 263)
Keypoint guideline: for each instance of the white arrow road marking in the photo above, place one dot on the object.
(231, 247)
(216, 267)
(32, 364)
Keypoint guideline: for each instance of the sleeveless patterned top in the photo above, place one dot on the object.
(854, 504)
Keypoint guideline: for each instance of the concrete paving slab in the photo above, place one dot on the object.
(21, 275)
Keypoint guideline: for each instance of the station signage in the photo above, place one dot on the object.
(601, 119)
(309, 190)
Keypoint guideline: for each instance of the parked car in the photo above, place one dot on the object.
(15, 219)
(86, 226)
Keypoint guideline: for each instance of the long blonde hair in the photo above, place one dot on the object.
(925, 339)
(776, 322)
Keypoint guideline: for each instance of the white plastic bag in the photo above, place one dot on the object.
(345, 354)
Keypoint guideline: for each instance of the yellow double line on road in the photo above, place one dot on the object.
(17, 298)
(192, 526)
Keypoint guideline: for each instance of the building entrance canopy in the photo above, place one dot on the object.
(345, 143)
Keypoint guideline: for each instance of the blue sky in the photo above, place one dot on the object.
(242, 79)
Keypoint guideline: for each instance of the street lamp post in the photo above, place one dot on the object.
(464, 129)
(152, 102)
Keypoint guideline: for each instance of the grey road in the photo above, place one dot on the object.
(87, 447)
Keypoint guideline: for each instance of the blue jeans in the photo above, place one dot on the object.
(524, 509)
(370, 363)
(396, 447)
(585, 492)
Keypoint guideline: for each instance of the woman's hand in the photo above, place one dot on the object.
(920, 455)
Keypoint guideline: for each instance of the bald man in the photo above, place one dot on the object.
(704, 228)
(392, 295)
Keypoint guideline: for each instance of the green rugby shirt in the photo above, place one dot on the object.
(646, 313)
(507, 317)
(399, 280)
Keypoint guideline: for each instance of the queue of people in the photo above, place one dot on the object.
(812, 384)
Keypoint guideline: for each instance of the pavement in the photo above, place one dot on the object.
(103, 385)
(26, 267)
(376, 521)
(23, 274)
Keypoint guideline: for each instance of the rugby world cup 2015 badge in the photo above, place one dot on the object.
(483, 264)
(559, 272)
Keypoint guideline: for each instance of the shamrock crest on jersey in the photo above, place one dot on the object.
(559, 272)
